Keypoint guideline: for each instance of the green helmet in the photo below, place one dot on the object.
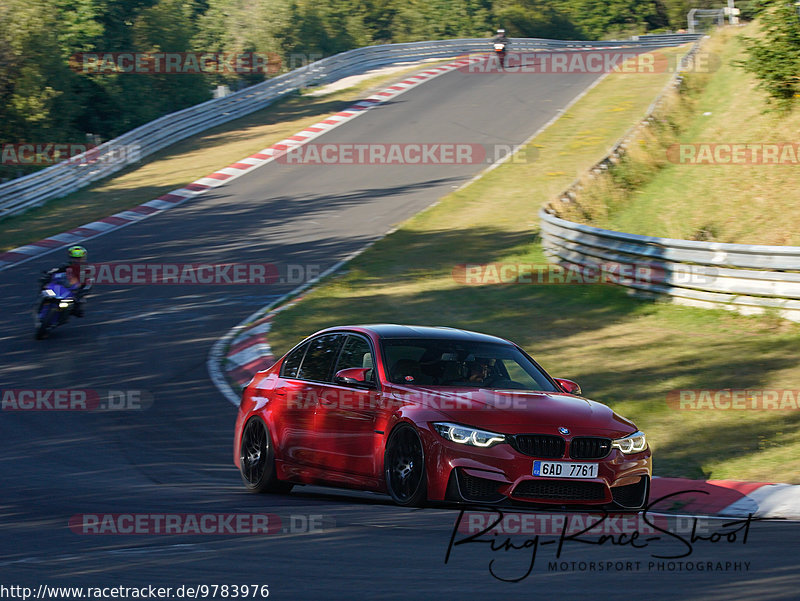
(76, 252)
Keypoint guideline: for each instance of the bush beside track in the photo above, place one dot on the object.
(624, 352)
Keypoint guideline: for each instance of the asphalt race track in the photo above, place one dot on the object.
(175, 455)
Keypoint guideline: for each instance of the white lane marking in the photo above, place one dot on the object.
(132, 215)
(28, 249)
(159, 204)
(99, 226)
(66, 238)
(251, 353)
(228, 171)
(212, 181)
(256, 331)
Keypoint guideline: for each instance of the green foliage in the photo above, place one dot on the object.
(35, 80)
(774, 58)
(616, 18)
(538, 19)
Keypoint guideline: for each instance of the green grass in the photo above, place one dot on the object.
(623, 351)
(753, 204)
(184, 162)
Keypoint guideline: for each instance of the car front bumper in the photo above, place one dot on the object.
(501, 473)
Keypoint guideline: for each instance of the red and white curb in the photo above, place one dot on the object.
(174, 198)
(249, 351)
(726, 498)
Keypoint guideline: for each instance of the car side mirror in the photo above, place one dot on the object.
(568, 386)
(355, 376)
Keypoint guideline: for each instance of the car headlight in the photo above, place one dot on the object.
(469, 436)
(633, 443)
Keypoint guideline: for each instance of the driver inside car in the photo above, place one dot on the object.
(478, 370)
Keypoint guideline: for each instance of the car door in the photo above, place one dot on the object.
(302, 385)
(345, 415)
(291, 418)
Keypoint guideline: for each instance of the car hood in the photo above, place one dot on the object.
(519, 411)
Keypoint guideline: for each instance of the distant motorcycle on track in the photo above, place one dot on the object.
(500, 45)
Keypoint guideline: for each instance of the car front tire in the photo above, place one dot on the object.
(257, 460)
(404, 467)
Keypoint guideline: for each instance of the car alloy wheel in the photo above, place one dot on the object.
(404, 466)
(257, 460)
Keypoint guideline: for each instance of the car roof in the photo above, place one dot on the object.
(391, 330)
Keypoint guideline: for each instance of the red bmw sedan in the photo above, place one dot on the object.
(434, 414)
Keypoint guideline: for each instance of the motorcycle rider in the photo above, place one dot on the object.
(75, 274)
(501, 38)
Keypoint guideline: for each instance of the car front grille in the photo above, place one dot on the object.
(546, 446)
(586, 447)
(561, 490)
(473, 488)
(632, 496)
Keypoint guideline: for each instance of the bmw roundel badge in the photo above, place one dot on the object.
(564, 430)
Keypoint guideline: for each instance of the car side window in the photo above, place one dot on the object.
(318, 362)
(292, 362)
(356, 352)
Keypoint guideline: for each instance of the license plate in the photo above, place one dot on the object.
(564, 469)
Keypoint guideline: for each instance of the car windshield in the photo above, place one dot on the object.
(437, 362)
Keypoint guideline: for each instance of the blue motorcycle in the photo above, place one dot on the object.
(56, 303)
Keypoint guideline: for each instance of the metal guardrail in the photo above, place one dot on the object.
(671, 38)
(747, 278)
(63, 178)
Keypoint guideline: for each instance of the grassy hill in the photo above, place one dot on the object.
(737, 202)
